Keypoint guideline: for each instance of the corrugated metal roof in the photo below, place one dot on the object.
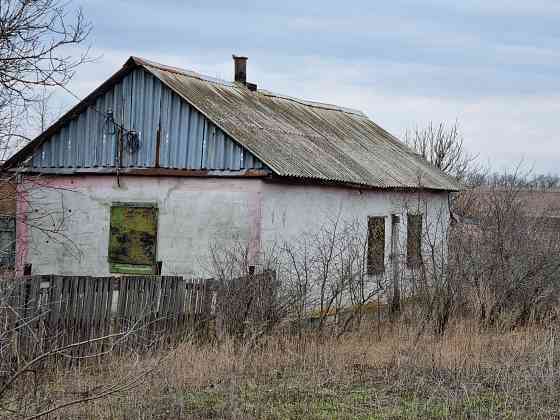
(298, 138)
(293, 137)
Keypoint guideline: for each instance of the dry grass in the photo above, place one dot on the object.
(465, 374)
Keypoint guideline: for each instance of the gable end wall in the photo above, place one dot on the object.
(188, 140)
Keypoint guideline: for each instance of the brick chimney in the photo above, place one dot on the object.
(240, 69)
(240, 72)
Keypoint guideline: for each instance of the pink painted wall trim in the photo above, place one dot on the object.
(72, 182)
(22, 231)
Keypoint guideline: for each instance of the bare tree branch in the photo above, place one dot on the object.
(36, 41)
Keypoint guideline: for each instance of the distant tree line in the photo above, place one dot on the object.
(442, 145)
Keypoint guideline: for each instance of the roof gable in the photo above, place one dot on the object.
(172, 134)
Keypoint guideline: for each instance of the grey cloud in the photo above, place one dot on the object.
(403, 62)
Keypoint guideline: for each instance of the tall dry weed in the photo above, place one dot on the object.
(463, 374)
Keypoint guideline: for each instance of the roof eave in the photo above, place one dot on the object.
(292, 179)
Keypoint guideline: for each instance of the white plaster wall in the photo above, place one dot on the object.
(290, 210)
(192, 212)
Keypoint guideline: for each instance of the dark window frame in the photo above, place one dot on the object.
(376, 245)
(414, 231)
(8, 241)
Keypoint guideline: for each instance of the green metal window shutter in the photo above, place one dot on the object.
(133, 238)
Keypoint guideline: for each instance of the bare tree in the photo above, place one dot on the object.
(42, 111)
(320, 280)
(497, 263)
(443, 146)
(246, 301)
(507, 253)
(40, 50)
(36, 40)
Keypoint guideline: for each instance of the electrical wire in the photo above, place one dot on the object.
(132, 141)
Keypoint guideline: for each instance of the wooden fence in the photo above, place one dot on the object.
(54, 312)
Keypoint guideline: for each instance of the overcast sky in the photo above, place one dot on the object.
(492, 65)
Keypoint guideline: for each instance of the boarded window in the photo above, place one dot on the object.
(133, 240)
(376, 245)
(414, 240)
(7, 241)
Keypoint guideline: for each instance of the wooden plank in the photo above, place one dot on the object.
(95, 308)
(161, 305)
(68, 309)
(170, 305)
(154, 305)
(82, 313)
(52, 303)
(121, 313)
(58, 284)
(138, 311)
(16, 319)
(12, 315)
(99, 301)
(171, 325)
(78, 311)
(89, 311)
(207, 302)
(104, 296)
(195, 298)
(188, 301)
(92, 285)
(73, 310)
(148, 307)
(123, 282)
(145, 308)
(175, 309)
(108, 319)
(178, 308)
(21, 298)
(132, 311)
(181, 306)
(127, 302)
(77, 298)
(34, 315)
(24, 316)
(166, 284)
(63, 311)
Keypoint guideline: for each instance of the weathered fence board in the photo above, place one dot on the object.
(51, 312)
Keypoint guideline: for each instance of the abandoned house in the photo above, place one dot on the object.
(158, 162)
